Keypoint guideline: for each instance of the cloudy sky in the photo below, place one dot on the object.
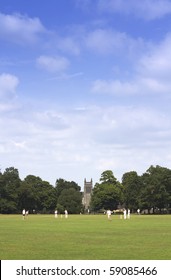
(85, 86)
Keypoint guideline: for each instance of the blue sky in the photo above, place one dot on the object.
(85, 86)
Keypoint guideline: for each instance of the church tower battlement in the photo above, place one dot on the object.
(88, 186)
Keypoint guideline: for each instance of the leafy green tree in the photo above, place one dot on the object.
(108, 177)
(156, 192)
(68, 196)
(37, 194)
(34, 188)
(71, 200)
(60, 208)
(108, 194)
(9, 185)
(132, 188)
(47, 197)
(1, 188)
(62, 184)
(27, 197)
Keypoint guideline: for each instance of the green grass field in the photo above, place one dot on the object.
(85, 237)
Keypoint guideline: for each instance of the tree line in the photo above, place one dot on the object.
(36, 195)
(150, 191)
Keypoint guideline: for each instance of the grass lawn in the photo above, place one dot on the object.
(85, 237)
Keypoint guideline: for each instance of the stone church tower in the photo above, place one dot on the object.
(88, 186)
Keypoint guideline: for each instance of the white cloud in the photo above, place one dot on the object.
(86, 139)
(8, 84)
(157, 62)
(50, 120)
(19, 28)
(146, 9)
(102, 41)
(53, 64)
(122, 138)
(140, 86)
(114, 87)
(65, 76)
(69, 45)
(106, 41)
(151, 74)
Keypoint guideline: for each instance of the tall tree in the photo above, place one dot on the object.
(37, 194)
(108, 194)
(62, 184)
(156, 192)
(71, 200)
(68, 196)
(108, 177)
(10, 183)
(132, 189)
